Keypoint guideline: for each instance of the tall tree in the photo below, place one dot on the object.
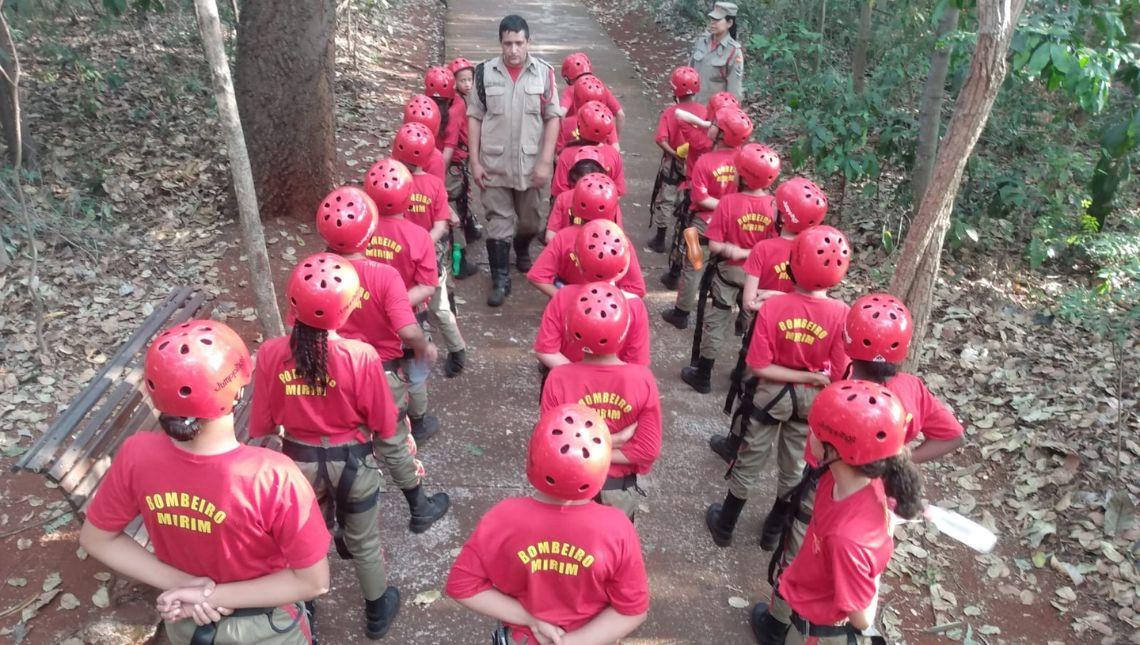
(918, 264)
(21, 147)
(862, 40)
(284, 80)
(930, 110)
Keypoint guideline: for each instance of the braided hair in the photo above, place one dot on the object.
(901, 480)
(310, 348)
(444, 114)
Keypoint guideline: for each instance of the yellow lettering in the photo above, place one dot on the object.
(523, 557)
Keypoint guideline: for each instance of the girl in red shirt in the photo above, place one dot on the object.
(587, 162)
(671, 137)
(830, 591)
(585, 89)
(232, 526)
(595, 125)
(800, 204)
(557, 566)
(458, 180)
(423, 110)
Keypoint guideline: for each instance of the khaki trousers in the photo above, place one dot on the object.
(249, 630)
(397, 452)
(439, 305)
(627, 500)
(719, 321)
(661, 210)
(786, 438)
(513, 213)
(691, 277)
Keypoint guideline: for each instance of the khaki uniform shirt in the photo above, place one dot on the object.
(513, 119)
(721, 66)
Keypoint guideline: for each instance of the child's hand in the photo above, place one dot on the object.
(191, 602)
(546, 633)
(619, 439)
(819, 380)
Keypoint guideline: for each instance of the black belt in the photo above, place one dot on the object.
(393, 364)
(353, 455)
(808, 628)
(620, 483)
(205, 634)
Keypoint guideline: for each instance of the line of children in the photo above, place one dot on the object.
(595, 125)
(577, 66)
(673, 138)
(459, 186)
(587, 161)
(586, 89)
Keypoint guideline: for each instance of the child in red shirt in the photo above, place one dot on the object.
(832, 588)
(588, 161)
(624, 394)
(586, 89)
(574, 67)
(800, 204)
(740, 220)
(557, 565)
(232, 526)
(672, 137)
(424, 110)
(796, 349)
(458, 179)
(595, 123)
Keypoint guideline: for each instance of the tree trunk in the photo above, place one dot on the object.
(253, 236)
(822, 29)
(16, 137)
(284, 78)
(930, 110)
(918, 264)
(859, 58)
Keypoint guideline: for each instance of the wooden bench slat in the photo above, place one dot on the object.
(97, 422)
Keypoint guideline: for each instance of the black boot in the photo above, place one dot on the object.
(378, 614)
(522, 253)
(774, 525)
(700, 377)
(423, 428)
(725, 447)
(425, 510)
(741, 324)
(456, 361)
(721, 519)
(466, 267)
(679, 318)
(765, 627)
(311, 613)
(472, 231)
(670, 279)
(657, 244)
(498, 257)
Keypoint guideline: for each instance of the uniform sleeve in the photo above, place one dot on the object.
(628, 589)
(559, 216)
(261, 423)
(618, 170)
(469, 575)
(551, 396)
(699, 183)
(295, 520)
(439, 209)
(760, 350)
(551, 109)
(612, 102)
(114, 505)
(545, 267)
(549, 338)
(938, 421)
(560, 183)
(663, 129)
(455, 119)
(633, 281)
(852, 574)
(645, 445)
(838, 359)
(427, 272)
(754, 265)
(396, 305)
(375, 399)
(719, 218)
(636, 348)
(735, 71)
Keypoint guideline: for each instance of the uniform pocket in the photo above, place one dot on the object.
(533, 90)
(496, 99)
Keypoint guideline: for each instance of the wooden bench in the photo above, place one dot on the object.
(77, 449)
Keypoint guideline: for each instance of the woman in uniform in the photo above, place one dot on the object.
(717, 57)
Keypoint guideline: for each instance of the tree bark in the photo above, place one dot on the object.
(21, 147)
(930, 110)
(253, 236)
(859, 58)
(822, 29)
(918, 265)
(284, 80)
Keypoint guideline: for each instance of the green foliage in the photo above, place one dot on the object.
(120, 7)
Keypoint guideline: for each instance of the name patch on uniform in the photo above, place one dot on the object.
(540, 557)
(754, 222)
(610, 405)
(302, 389)
(383, 248)
(802, 330)
(725, 175)
(185, 511)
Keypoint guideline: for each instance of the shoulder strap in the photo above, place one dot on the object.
(480, 88)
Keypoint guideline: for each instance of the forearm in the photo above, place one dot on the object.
(864, 618)
(121, 553)
(551, 360)
(607, 627)
(276, 589)
(549, 138)
(666, 148)
(708, 203)
(619, 122)
(413, 336)
(448, 152)
(496, 604)
(932, 449)
(419, 294)
(546, 288)
(438, 230)
(781, 374)
(474, 137)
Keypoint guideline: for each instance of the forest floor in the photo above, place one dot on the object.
(134, 176)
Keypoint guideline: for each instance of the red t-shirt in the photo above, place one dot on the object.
(557, 261)
(564, 564)
(240, 515)
(699, 145)
(674, 131)
(743, 220)
(768, 260)
(925, 414)
(514, 71)
(429, 201)
(568, 133)
(612, 164)
(383, 309)
(567, 101)
(800, 332)
(561, 216)
(846, 548)
(355, 403)
(408, 248)
(622, 394)
(714, 176)
(551, 338)
(455, 134)
(434, 165)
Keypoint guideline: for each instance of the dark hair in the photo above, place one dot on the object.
(310, 347)
(877, 371)
(444, 116)
(513, 23)
(901, 480)
(732, 26)
(179, 428)
(582, 168)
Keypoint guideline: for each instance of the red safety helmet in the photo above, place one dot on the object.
(346, 219)
(595, 122)
(734, 125)
(439, 82)
(757, 165)
(599, 318)
(864, 421)
(197, 370)
(589, 88)
(459, 64)
(575, 65)
(323, 291)
(569, 454)
(878, 329)
(719, 101)
(686, 81)
(820, 258)
(414, 144)
(602, 251)
(595, 197)
(801, 204)
(421, 109)
(389, 184)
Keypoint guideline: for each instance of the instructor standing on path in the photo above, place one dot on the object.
(513, 121)
(717, 57)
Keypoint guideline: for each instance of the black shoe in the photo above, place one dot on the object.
(423, 428)
(765, 627)
(700, 377)
(466, 267)
(498, 257)
(378, 614)
(773, 528)
(724, 449)
(522, 254)
(676, 317)
(657, 244)
(721, 519)
(455, 363)
(425, 509)
(311, 612)
(472, 231)
(670, 279)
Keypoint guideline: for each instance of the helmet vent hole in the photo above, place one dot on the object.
(875, 315)
(556, 431)
(880, 435)
(851, 397)
(549, 480)
(319, 313)
(872, 400)
(324, 284)
(894, 345)
(150, 384)
(866, 342)
(184, 390)
(163, 345)
(564, 449)
(205, 341)
(893, 315)
(336, 278)
(583, 487)
(585, 454)
(598, 440)
(185, 349)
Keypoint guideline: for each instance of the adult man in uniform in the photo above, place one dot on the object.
(717, 56)
(513, 122)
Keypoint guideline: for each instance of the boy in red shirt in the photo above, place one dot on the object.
(557, 565)
(232, 526)
(800, 204)
(586, 162)
(603, 253)
(423, 110)
(623, 394)
(586, 89)
(577, 66)
(406, 247)
(595, 124)
(796, 349)
(741, 219)
(458, 180)
(713, 177)
(672, 137)
(595, 197)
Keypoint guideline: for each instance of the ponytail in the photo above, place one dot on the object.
(310, 348)
(901, 480)
(877, 371)
(444, 116)
(179, 428)
(732, 26)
